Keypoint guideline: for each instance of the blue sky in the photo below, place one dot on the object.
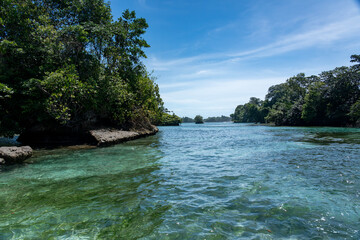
(210, 56)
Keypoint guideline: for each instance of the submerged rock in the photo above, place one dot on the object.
(12, 155)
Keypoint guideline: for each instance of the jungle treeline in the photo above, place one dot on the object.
(222, 118)
(71, 63)
(331, 98)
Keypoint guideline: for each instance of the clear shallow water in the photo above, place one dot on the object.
(211, 181)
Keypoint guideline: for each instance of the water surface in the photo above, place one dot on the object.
(210, 181)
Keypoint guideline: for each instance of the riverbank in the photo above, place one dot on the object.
(14, 151)
(49, 136)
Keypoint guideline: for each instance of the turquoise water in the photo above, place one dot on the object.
(210, 181)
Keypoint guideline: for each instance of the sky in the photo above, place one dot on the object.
(208, 56)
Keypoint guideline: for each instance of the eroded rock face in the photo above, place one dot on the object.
(12, 155)
(112, 136)
(108, 136)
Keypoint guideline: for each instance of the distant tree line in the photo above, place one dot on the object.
(209, 119)
(331, 98)
(218, 119)
(187, 120)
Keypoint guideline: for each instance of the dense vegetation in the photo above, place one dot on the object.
(218, 119)
(69, 62)
(198, 119)
(209, 119)
(330, 99)
(169, 120)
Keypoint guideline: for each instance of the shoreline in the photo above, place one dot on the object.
(12, 153)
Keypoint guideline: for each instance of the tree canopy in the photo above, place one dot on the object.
(69, 62)
(332, 98)
(198, 119)
(222, 118)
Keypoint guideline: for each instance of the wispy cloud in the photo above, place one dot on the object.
(327, 35)
(214, 83)
(319, 37)
(214, 96)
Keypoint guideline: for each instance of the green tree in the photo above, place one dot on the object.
(253, 111)
(218, 119)
(62, 61)
(328, 99)
(198, 119)
(170, 120)
(355, 112)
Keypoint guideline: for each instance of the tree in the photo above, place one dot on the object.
(199, 119)
(218, 119)
(187, 120)
(355, 113)
(328, 99)
(252, 111)
(63, 61)
(169, 120)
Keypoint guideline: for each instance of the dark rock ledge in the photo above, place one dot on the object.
(13, 155)
(60, 137)
(52, 136)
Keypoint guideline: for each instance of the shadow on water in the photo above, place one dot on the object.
(70, 194)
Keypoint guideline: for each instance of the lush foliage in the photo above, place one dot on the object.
(70, 62)
(169, 120)
(218, 119)
(209, 119)
(332, 98)
(198, 119)
(252, 111)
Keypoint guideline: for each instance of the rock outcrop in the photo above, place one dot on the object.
(105, 137)
(12, 155)
(49, 136)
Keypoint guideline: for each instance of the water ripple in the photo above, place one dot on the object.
(211, 181)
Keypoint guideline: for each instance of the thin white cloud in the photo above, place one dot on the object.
(325, 35)
(215, 83)
(214, 97)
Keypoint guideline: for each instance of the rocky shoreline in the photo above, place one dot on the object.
(99, 137)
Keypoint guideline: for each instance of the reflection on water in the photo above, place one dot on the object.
(211, 181)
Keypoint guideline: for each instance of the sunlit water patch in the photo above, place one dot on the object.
(210, 181)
